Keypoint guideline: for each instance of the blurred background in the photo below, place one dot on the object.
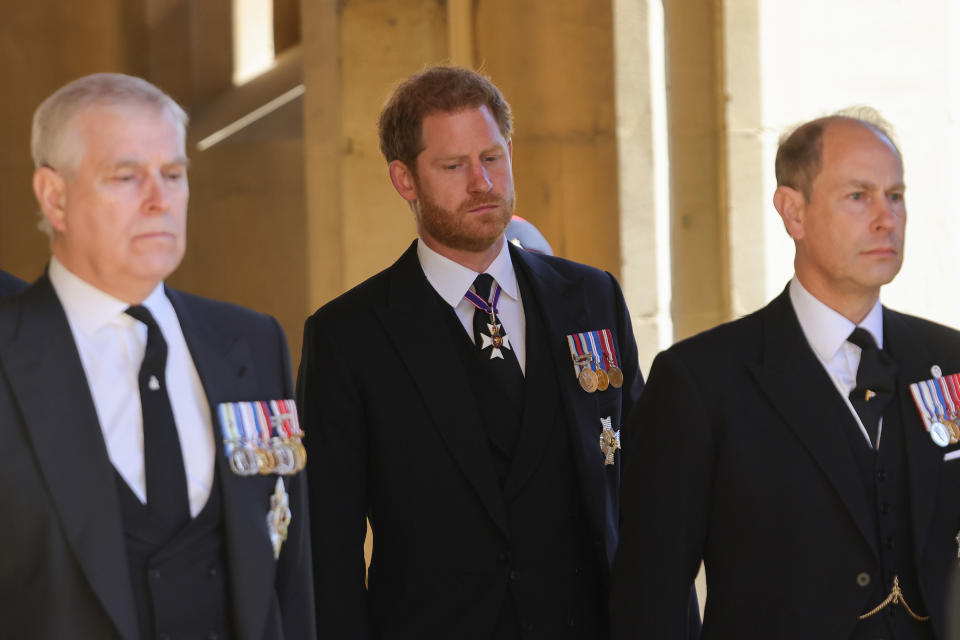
(645, 133)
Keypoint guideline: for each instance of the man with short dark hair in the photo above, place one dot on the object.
(133, 415)
(10, 284)
(468, 401)
(808, 452)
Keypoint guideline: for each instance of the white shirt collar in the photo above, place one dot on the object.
(825, 329)
(452, 280)
(88, 308)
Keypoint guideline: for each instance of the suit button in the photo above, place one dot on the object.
(882, 475)
(863, 579)
(212, 572)
(213, 635)
(154, 574)
(884, 508)
(571, 621)
(514, 575)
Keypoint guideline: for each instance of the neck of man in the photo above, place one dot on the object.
(852, 305)
(124, 289)
(476, 260)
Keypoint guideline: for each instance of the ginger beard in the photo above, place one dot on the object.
(461, 229)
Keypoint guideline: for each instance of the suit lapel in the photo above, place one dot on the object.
(439, 376)
(563, 307)
(790, 375)
(69, 447)
(225, 365)
(923, 456)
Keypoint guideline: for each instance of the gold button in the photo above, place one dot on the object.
(863, 579)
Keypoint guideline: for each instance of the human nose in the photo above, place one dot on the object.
(479, 179)
(889, 212)
(157, 196)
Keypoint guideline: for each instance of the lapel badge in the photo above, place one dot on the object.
(278, 518)
(869, 395)
(609, 441)
(595, 360)
(938, 401)
(262, 437)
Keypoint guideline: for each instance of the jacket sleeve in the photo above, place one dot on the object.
(668, 466)
(333, 418)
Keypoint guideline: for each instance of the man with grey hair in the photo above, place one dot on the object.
(128, 514)
(808, 453)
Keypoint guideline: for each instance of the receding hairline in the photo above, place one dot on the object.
(55, 119)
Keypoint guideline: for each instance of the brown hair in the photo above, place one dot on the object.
(799, 152)
(436, 89)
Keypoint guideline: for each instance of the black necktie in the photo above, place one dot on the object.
(162, 457)
(876, 378)
(506, 378)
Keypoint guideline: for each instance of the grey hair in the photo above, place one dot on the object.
(54, 117)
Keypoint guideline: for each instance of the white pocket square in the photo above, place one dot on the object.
(953, 455)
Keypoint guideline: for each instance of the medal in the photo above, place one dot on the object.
(948, 386)
(588, 380)
(278, 517)
(584, 364)
(261, 438)
(495, 339)
(927, 401)
(610, 356)
(593, 341)
(609, 441)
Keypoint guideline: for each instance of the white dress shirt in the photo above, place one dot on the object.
(111, 346)
(452, 281)
(827, 332)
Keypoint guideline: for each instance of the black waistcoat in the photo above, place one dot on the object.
(883, 473)
(179, 580)
(553, 584)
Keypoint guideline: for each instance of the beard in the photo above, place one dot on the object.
(461, 230)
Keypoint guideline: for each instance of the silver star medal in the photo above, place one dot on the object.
(279, 516)
(609, 441)
(494, 340)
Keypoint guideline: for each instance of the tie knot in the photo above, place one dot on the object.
(141, 313)
(862, 338)
(482, 285)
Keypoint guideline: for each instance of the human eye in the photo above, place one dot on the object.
(896, 196)
(124, 177)
(174, 175)
(856, 195)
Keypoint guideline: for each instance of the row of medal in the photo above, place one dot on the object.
(938, 401)
(262, 437)
(595, 360)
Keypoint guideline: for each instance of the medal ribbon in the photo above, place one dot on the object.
(584, 348)
(290, 407)
(944, 387)
(609, 353)
(228, 427)
(578, 353)
(482, 304)
(924, 404)
(597, 350)
(953, 390)
(939, 405)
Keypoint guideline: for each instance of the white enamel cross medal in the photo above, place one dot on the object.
(609, 441)
(494, 339)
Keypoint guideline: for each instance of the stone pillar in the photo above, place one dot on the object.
(554, 63)
(695, 84)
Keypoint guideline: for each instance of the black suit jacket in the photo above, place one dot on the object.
(384, 400)
(10, 284)
(64, 572)
(737, 456)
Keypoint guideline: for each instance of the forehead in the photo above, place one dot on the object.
(855, 151)
(462, 131)
(135, 131)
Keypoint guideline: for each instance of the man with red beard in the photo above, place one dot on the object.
(467, 400)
